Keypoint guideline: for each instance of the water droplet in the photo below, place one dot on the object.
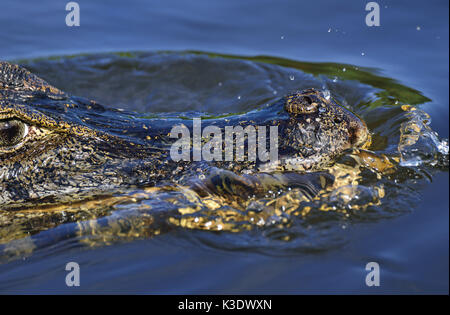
(344, 69)
(291, 77)
(335, 79)
(443, 147)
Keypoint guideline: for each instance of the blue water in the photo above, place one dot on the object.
(411, 46)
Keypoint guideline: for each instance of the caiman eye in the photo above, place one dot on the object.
(12, 132)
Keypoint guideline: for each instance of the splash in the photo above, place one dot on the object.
(419, 144)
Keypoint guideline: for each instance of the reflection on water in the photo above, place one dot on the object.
(381, 182)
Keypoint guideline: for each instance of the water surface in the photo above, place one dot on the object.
(407, 235)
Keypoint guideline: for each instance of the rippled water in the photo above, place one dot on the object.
(397, 214)
(370, 186)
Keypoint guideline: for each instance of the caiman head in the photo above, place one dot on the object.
(56, 148)
(318, 131)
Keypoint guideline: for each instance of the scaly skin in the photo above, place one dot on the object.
(73, 149)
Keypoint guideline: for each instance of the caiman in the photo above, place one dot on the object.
(58, 149)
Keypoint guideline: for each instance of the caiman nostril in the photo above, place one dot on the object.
(359, 135)
(353, 135)
(307, 100)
